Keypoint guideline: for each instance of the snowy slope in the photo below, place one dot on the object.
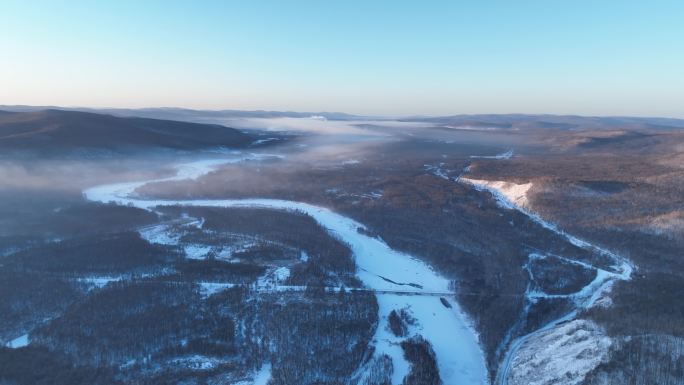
(513, 194)
(568, 352)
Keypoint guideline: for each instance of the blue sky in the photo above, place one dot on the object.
(370, 57)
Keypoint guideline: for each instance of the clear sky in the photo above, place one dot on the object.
(395, 57)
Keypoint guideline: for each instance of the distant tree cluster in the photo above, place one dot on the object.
(39, 366)
(642, 360)
(106, 254)
(28, 299)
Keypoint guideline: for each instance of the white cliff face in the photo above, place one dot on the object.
(564, 354)
(512, 192)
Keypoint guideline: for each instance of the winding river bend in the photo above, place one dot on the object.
(459, 357)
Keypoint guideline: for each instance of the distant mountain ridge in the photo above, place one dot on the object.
(173, 113)
(543, 121)
(468, 121)
(59, 131)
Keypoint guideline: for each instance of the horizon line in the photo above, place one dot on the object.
(332, 112)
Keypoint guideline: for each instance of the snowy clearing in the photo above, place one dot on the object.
(504, 155)
(263, 375)
(100, 282)
(18, 342)
(197, 362)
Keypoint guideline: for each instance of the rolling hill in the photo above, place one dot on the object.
(59, 131)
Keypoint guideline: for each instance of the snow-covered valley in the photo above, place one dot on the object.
(388, 273)
(564, 348)
(459, 357)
